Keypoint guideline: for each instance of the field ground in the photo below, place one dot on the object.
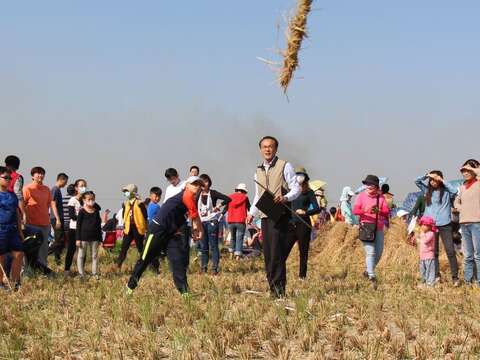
(334, 315)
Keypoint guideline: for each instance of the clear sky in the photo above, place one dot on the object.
(117, 91)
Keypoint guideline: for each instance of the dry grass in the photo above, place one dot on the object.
(297, 30)
(334, 315)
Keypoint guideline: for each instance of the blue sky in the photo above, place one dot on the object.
(117, 91)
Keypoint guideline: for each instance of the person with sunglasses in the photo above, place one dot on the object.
(11, 236)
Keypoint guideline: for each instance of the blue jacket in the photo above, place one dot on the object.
(8, 210)
(440, 209)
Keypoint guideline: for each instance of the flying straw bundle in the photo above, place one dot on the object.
(295, 33)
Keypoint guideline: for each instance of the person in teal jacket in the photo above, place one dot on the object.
(346, 206)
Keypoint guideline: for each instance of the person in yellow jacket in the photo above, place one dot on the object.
(134, 220)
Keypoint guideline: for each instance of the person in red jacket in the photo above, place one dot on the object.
(237, 214)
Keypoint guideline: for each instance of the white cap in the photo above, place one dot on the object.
(401, 213)
(193, 179)
(241, 187)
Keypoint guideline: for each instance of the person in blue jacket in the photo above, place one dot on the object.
(439, 196)
(11, 237)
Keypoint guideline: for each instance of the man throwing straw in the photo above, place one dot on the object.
(279, 178)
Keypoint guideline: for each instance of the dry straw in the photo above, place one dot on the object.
(295, 33)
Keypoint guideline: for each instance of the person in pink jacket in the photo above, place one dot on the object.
(367, 209)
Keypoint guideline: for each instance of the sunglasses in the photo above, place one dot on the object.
(6, 177)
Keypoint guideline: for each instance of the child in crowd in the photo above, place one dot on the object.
(88, 233)
(154, 205)
(134, 222)
(11, 237)
(426, 246)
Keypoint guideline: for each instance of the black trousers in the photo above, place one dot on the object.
(71, 248)
(300, 233)
(127, 239)
(275, 253)
(59, 237)
(159, 241)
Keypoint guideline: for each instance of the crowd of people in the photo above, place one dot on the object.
(37, 221)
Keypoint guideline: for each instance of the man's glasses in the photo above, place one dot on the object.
(6, 177)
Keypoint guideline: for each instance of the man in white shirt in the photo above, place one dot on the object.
(176, 185)
(278, 176)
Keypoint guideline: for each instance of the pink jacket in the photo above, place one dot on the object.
(426, 245)
(365, 203)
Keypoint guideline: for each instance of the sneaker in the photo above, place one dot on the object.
(186, 296)
(128, 291)
(456, 283)
(438, 280)
(96, 277)
(17, 286)
(365, 275)
(373, 280)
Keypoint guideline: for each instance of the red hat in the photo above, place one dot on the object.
(427, 220)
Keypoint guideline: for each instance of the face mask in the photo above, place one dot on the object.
(300, 179)
(82, 190)
(90, 203)
(127, 194)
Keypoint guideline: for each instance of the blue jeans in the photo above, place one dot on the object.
(210, 242)
(237, 232)
(471, 250)
(373, 253)
(428, 271)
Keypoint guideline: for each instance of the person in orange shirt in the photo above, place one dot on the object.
(38, 201)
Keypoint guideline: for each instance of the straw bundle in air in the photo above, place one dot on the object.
(295, 33)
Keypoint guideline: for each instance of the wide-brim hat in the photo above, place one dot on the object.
(371, 180)
(242, 187)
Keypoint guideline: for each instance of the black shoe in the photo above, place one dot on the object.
(365, 275)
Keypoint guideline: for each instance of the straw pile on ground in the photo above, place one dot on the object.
(340, 245)
(335, 314)
(295, 33)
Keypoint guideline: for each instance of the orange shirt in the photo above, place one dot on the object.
(38, 200)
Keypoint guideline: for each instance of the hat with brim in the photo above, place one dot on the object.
(242, 187)
(194, 180)
(132, 188)
(302, 171)
(371, 180)
(402, 213)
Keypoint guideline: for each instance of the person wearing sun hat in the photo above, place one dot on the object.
(426, 246)
(135, 222)
(371, 206)
(165, 233)
(298, 232)
(237, 215)
(346, 206)
(467, 204)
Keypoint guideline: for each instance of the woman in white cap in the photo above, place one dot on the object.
(135, 222)
(299, 231)
(237, 215)
(346, 206)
